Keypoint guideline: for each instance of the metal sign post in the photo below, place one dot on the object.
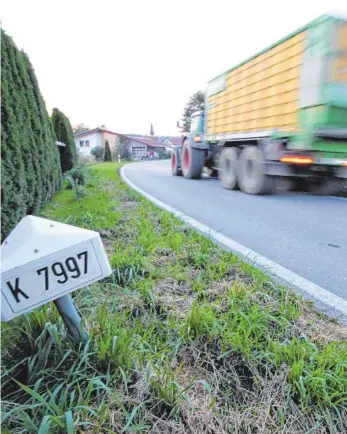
(43, 261)
(72, 320)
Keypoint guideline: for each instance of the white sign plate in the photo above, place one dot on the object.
(36, 282)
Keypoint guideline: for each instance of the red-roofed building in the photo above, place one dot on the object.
(145, 147)
(139, 147)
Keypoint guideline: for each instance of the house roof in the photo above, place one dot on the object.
(94, 130)
(174, 140)
(147, 141)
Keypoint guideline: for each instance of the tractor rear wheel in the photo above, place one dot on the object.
(192, 161)
(175, 162)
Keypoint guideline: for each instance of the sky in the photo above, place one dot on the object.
(126, 64)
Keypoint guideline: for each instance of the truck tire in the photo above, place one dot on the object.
(251, 173)
(228, 168)
(175, 163)
(192, 161)
(325, 187)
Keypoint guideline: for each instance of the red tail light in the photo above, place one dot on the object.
(296, 159)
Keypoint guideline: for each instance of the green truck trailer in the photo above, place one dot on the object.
(278, 119)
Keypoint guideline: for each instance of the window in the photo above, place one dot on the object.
(195, 124)
(138, 151)
(313, 69)
(86, 143)
(81, 143)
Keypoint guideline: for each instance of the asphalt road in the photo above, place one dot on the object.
(304, 233)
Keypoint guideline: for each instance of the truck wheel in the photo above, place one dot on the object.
(228, 168)
(192, 161)
(175, 163)
(252, 177)
(326, 186)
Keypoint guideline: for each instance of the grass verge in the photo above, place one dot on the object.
(184, 338)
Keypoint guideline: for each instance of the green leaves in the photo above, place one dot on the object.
(69, 422)
(196, 102)
(107, 153)
(31, 172)
(64, 134)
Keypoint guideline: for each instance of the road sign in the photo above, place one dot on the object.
(43, 260)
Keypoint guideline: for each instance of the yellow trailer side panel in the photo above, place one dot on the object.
(261, 94)
(339, 70)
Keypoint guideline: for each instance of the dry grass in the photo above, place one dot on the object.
(319, 328)
(184, 338)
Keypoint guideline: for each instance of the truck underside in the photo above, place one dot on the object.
(262, 166)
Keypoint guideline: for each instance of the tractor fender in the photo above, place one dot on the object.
(196, 145)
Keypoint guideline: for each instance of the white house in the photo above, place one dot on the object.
(139, 146)
(87, 140)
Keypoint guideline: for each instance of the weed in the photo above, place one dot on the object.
(184, 337)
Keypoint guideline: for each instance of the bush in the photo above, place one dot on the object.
(63, 132)
(163, 154)
(77, 189)
(75, 179)
(76, 176)
(107, 154)
(98, 152)
(31, 172)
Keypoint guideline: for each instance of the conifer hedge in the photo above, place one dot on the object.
(30, 172)
(107, 153)
(63, 132)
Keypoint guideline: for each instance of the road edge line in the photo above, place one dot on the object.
(306, 287)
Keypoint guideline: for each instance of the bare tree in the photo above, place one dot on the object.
(123, 146)
(80, 128)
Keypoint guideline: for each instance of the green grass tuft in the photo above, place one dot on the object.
(184, 337)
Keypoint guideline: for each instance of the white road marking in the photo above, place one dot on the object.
(305, 286)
